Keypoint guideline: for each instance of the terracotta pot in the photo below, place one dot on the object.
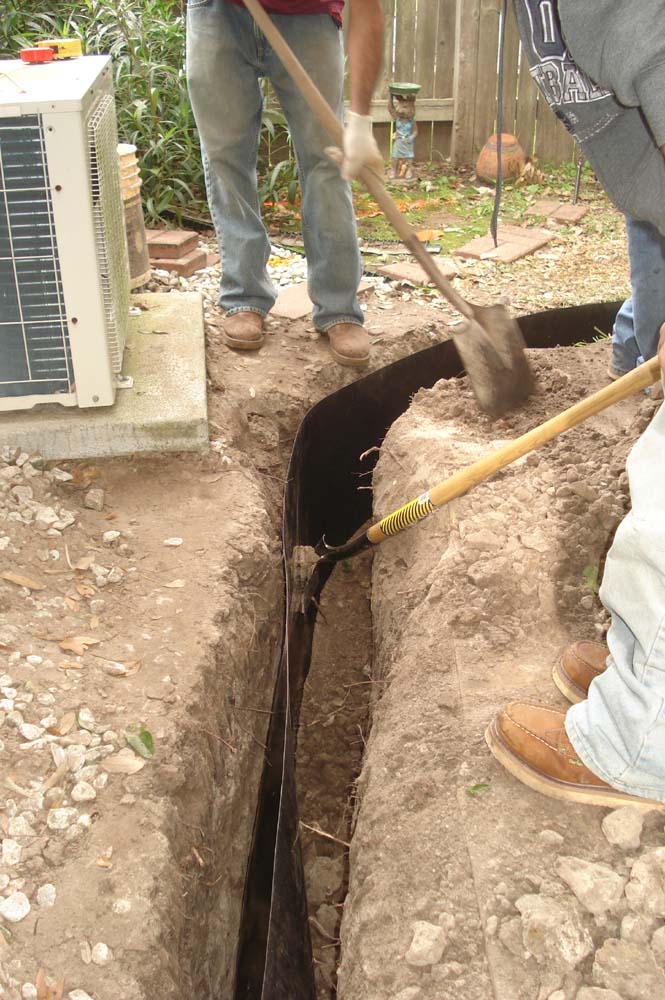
(512, 158)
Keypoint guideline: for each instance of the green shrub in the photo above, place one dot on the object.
(146, 39)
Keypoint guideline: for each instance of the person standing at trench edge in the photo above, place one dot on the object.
(609, 748)
(226, 57)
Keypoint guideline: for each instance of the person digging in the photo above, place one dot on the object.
(227, 56)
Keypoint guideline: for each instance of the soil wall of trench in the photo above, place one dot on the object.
(470, 610)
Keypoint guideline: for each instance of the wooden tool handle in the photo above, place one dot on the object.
(372, 181)
(479, 471)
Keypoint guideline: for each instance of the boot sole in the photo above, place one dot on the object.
(343, 359)
(610, 798)
(568, 689)
(243, 345)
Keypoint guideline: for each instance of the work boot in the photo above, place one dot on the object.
(578, 666)
(349, 344)
(531, 742)
(244, 331)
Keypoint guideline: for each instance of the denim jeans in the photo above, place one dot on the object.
(226, 57)
(635, 333)
(619, 731)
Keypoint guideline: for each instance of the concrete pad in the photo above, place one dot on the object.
(414, 273)
(165, 410)
(513, 243)
(294, 302)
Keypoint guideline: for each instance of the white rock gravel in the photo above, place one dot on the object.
(427, 945)
(623, 828)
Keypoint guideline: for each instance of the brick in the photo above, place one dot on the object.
(166, 243)
(514, 242)
(294, 302)
(570, 214)
(413, 273)
(544, 208)
(183, 266)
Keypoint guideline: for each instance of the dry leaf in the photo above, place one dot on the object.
(69, 665)
(124, 762)
(84, 563)
(45, 992)
(78, 643)
(63, 727)
(22, 581)
(71, 602)
(116, 669)
(175, 584)
(86, 590)
(104, 863)
(94, 622)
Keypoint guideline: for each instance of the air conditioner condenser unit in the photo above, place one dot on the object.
(64, 274)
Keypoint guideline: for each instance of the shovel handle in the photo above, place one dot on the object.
(462, 481)
(372, 181)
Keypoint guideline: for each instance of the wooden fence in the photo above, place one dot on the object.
(450, 48)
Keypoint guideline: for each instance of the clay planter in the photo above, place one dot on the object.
(512, 158)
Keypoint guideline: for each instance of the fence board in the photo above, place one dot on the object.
(488, 41)
(427, 34)
(405, 40)
(511, 58)
(465, 79)
(527, 107)
(445, 51)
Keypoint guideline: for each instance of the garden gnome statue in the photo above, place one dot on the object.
(402, 108)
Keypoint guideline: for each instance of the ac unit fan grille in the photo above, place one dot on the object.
(35, 356)
(109, 223)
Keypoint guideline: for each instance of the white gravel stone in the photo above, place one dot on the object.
(597, 993)
(78, 995)
(46, 895)
(630, 969)
(552, 931)
(60, 819)
(102, 954)
(19, 826)
(45, 517)
(11, 852)
(121, 906)
(15, 907)
(645, 890)
(428, 944)
(623, 828)
(115, 575)
(30, 732)
(173, 542)
(4, 881)
(109, 537)
(550, 838)
(658, 945)
(94, 499)
(83, 792)
(597, 886)
(29, 991)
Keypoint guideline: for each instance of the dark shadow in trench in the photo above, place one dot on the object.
(322, 498)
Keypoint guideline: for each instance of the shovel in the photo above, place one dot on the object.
(489, 341)
(463, 480)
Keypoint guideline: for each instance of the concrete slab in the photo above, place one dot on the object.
(166, 409)
(294, 302)
(413, 273)
(513, 243)
(544, 207)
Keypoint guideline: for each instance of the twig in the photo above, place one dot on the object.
(322, 833)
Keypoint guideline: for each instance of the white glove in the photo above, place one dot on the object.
(360, 148)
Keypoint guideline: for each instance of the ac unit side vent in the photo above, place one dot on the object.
(109, 224)
(35, 355)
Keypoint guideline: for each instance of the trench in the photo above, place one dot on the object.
(287, 948)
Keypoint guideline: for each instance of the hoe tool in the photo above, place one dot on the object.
(489, 341)
(481, 470)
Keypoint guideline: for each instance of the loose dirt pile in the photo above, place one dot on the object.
(463, 882)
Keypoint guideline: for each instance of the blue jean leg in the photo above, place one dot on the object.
(328, 222)
(619, 731)
(224, 56)
(635, 333)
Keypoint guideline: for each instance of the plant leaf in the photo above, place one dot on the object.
(140, 739)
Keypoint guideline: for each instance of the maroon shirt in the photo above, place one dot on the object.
(332, 7)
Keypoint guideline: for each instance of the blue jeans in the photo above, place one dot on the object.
(635, 333)
(226, 57)
(619, 731)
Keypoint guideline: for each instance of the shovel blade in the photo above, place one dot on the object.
(492, 349)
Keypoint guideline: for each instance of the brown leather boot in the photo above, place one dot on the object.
(578, 666)
(531, 742)
(349, 344)
(243, 331)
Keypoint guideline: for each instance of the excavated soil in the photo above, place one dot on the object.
(464, 883)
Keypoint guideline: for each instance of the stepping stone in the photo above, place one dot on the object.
(414, 273)
(544, 207)
(183, 266)
(294, 302)
(164, 243)
(514, 242)
(569, 214)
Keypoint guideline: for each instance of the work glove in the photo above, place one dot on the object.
(359, 148)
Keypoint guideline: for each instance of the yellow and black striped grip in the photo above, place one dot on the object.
(404, 516)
